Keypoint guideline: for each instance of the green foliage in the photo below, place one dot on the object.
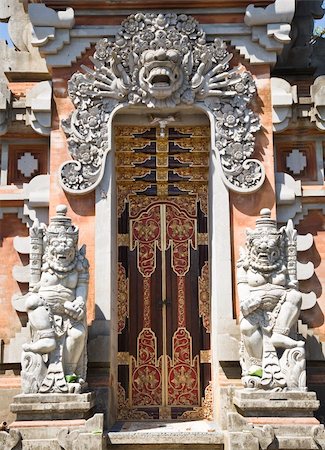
(71, 378)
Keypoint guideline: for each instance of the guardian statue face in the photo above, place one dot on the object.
(161, 74)
(265, 251)
(62, 250)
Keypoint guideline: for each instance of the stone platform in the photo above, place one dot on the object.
(160, 435)
(256, 403)
(273, 420)
(53, 406)
(56, 422)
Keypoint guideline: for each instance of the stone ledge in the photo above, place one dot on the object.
(194, 433)
(260, 403)
(52, 406)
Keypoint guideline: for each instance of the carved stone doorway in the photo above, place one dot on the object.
(163, 272)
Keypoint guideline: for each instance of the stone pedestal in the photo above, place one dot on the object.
(274, 420)
(256, 403)
(56, 422)
(53, 406)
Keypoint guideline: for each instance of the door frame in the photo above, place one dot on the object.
(219, 246)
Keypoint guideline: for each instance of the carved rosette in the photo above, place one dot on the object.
(161, 61)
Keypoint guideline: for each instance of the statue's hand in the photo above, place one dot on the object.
(74, 309)
(293, 284)
(36, 287)
(249, 304)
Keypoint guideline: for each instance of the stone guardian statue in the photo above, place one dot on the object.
(55, 360)
(270, 302)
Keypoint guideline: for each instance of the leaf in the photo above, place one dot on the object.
(71, 378)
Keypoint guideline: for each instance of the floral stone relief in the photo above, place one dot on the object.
(161, 61)
(270, 302)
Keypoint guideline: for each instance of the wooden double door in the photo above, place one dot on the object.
(163, 281)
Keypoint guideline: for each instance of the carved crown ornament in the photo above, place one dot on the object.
(161, 61)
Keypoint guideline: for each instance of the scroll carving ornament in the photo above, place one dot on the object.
(161, 61)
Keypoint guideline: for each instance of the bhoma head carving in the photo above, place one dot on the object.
(161, 61)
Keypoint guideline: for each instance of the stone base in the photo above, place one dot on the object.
(273, 420)
(74, 434)
(160, 435)
(53, 406)
(259, 403)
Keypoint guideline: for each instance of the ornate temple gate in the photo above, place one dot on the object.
(163, 273)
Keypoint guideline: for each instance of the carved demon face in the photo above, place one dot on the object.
(161, 74)
(265, 251)
(62, 250)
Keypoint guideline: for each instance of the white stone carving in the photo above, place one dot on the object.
(288, 193)
(270, 305)
(283, 97)
(38, 107)
(161, 61)
(9, 439)
(296, 161)
(18, 23)
(49, 25)
(288, 196)
(317, 91)
(27, 164)
(5, 96)
(27, 59)
(276, 17)
(56, 307)
(61, 42)
(36, 198)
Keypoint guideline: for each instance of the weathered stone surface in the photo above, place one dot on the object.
(61, 434)
(53, 406)
(197, 432)
(270, 304)
(56, 307)
(258, 403)
(9, 440)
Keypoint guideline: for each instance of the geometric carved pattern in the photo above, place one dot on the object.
(298, 157)
(27, 161)
(296, 161)
(27, 164)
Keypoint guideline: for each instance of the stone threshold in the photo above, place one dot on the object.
(164, 432)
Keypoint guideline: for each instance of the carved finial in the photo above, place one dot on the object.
(61, 210)
(60, 223)
(265, 213)
(265, 221)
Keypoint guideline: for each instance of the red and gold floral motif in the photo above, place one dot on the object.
(122, 298)
(146, 302)
(181, 319)
(124, 411)
(146, 372)
(204, 297)
(181, 235)
(139, 204)
(146, 236)
(163, 234)
(183, 372)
